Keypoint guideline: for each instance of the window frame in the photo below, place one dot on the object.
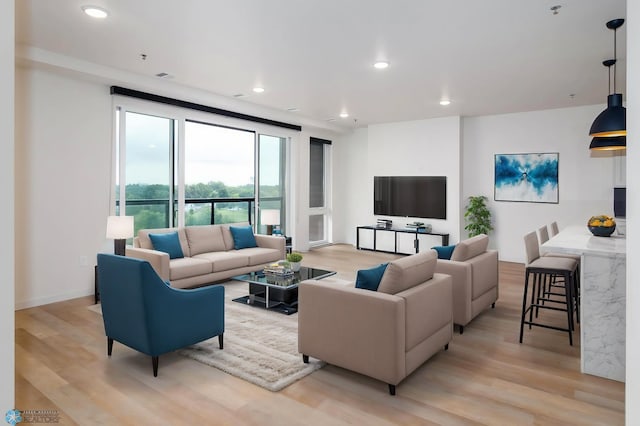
(123, 104)
(326, 209)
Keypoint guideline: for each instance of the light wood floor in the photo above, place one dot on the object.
(486, 376)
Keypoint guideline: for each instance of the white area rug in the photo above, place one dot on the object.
(260, 346)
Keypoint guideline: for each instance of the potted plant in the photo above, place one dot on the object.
(477, 216)
(294, 259)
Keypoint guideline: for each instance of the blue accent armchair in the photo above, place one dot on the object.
(143, 312)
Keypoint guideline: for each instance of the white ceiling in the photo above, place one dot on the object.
(488, 57)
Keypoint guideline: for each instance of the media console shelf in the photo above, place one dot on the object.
(397, 240)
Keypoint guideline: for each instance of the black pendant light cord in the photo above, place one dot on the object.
(615, 58)
(614, 24)
(609, 63)
(614, 80)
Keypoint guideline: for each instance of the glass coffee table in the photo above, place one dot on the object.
(277, 293)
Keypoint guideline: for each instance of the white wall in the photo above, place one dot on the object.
(632, 390)
(585, 179)
(7, 214)
(63, 175)
(353, 189)
(411, 148)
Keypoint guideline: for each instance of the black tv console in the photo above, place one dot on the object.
(397, 240)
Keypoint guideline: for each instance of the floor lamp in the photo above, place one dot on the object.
(119, 228)
(270, 217)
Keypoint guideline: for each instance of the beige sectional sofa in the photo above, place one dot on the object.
(209, 254)
(384, 334)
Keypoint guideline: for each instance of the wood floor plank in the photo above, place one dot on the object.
(486, 376)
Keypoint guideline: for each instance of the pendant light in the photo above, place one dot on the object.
(608, 144)
(611, 124)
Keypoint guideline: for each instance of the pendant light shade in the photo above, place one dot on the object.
(608, 144)
(612, 122)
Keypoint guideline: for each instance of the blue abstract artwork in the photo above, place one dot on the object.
(526, 177)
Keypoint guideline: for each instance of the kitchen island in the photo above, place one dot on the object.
(602, 298)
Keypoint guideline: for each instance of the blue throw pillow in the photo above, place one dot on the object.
(369, 279)
(168, 243)
(243, 237)
(444, 252)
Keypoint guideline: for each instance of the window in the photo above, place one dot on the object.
(219, 164)
(172, 170)
(318, 191)
(316, 175)
(148, 171)
(271, 182)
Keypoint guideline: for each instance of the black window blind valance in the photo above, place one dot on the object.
(117, 90)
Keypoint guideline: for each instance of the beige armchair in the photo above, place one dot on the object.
(474, 270)
(384, 334)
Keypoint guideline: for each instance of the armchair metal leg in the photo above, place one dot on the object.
(392, 389)
(446, 347)
(109, 346)
(493, 305)
(154, 361)
(305, 358)
(461, 329)
(221, 341)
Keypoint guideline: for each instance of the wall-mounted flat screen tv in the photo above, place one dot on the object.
(410, 196)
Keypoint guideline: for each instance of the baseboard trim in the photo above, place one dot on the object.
(32, 303)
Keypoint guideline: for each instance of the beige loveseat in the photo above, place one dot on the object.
(209, 254)
(474, 270)
(384, 334)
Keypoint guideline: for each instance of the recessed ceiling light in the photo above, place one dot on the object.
(95, 12)
(445, 102)
(258, 89)
(331, 119)
(381, 65)
(239, 95)
(294, 109)
(344, 115)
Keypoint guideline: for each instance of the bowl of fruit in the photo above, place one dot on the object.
(601, 226)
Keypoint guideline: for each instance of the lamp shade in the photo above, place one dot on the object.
(270, 217)
(611, 122)
(119, 227)
(608, 144)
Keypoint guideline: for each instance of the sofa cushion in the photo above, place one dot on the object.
(168, 243)
(369, 279)
(408, 272)
(227, 237)
(145, 241)
(225, 260)
(188, 267)
(262, 255)
(243, 237)
(470, 248)
(444, 252)
(204, 239)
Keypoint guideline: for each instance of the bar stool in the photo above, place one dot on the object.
(543, 237)
(541, 269)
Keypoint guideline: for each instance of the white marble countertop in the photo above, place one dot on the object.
(578, 240)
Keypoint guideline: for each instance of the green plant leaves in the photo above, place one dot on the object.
(477, 216)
